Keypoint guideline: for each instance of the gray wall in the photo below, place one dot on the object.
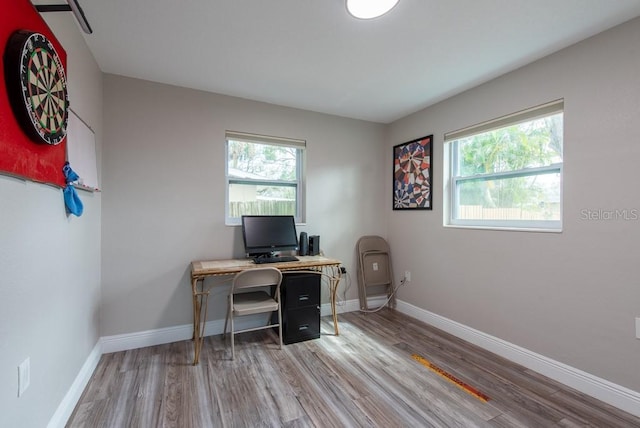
(571, 296)
(164, 192)
(50, 266)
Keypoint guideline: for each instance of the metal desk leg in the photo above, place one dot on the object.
(200, 303)
(334, 282)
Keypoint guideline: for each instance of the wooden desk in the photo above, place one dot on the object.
(202, 269)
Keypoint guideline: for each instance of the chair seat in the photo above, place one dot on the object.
(254, 302)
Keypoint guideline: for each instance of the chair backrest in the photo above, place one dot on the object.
(371, 243)
(257, 277)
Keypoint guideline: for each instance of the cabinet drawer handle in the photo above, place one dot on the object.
(303, 297)
(303, 327)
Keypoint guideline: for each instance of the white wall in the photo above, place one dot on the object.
(164, 190)
(49, 266)
(571, 296)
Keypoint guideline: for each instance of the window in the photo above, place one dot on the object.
(265, 176)
(507, 173)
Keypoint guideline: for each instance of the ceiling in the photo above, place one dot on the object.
(312, 55)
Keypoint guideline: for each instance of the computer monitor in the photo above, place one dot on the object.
(268, 234)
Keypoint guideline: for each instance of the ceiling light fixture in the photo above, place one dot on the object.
(369, 9)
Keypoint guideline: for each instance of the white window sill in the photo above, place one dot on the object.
(505, 228)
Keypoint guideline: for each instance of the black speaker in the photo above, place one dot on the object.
(304, 245)
(314, 245)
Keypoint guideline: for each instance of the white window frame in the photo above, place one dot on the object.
(299, 183)
(453, 180)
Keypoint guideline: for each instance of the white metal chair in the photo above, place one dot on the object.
(244, 301)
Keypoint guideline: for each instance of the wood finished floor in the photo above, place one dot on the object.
(363, 378)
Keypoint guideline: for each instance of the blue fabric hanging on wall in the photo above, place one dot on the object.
(71, 198)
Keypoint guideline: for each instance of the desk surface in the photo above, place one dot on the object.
(204, 268)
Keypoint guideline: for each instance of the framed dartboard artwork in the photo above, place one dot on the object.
(412, 174)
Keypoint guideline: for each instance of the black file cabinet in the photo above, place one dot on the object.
(300, 293)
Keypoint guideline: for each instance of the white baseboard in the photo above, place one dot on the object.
(608, 392)
(142, 339)
(71, 398)
(352, 305)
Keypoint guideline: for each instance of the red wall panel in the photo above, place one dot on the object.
(19, 155)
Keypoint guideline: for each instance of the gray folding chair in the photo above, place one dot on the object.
(244, 299)
(375, 274)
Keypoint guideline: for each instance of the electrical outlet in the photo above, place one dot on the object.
(637, 328)
(24, 376)
(407, 275)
